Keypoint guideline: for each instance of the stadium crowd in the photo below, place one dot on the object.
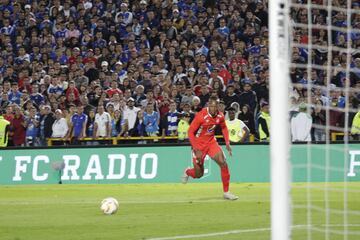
(108, 68)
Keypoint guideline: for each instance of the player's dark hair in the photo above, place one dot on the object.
(213, 99)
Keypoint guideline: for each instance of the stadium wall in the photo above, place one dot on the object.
(165, 164)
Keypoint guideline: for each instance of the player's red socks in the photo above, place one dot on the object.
(225, 177)
(191, 172)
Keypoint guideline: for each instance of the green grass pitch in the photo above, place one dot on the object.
(165, 211)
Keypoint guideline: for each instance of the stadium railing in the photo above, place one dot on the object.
(117, 140)
(336, 136)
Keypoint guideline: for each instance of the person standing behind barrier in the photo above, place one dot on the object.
(248, 118)
(170, 121)
(18, 127)
(4, 131)
(59, 128)
(319, 121)
(78, 124)
(139, 127)
(187, 109)
(301, 124)
(102, 126)
(151, 121)
(183, 126)
(9, 116)
(118, 125)
(32, 128)
(46, 121)
(90, 124)
(355, 127)
(264, 122)
(238, 131)
(130, 114)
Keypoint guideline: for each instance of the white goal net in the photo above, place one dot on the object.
(315, 76)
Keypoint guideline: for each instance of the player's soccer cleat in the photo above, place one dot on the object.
(185, 177)
(230, 196)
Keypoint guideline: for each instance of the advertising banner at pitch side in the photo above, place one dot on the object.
(249, 163)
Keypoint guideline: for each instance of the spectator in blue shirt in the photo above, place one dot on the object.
(32, 127)
(256, 47)
(55, 88)
(124, 17)
(201, 48)
(99, 41)
(35, 96)
(170, 123)
(15, 94)
(223, 29)
(61, 32)
(78, 123)
(141, 14)
(151, 120)
(7, 29)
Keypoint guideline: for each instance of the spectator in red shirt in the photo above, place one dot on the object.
(18, 127)
(225, 74)
(239, 59)
(90, 57)
(164, 104)
(114, 89)
(72, 89)
(203, 81)
(9, 113)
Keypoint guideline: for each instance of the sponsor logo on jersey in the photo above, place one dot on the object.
(211, 129)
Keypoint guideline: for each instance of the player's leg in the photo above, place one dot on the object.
(198, 170)
(218, 156)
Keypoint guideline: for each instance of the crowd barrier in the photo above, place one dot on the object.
(118, 140)
(335, 136)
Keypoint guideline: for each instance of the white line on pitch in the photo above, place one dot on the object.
(242, 231)
(213, 234)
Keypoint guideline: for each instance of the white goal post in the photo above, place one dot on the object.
(279, 109)
(314, 62)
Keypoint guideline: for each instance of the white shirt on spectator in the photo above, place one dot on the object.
(60, 128)
(124, 17)
(88, 5)
(130, 116)
(301, 127)
(178, 77)
(101, 121)
(117, 105)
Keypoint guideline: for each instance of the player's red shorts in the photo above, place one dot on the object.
(210, 149)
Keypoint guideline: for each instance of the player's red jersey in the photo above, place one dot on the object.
(202, 129)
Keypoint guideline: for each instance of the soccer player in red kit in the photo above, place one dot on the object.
(203, 142)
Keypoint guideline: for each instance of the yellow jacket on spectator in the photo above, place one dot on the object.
(264, 133)
(3, 131)
(355, 127)
(183, 127)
